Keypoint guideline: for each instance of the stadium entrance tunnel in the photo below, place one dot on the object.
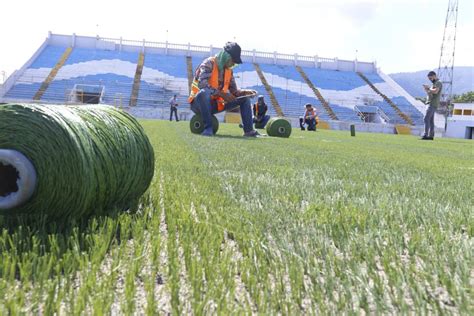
(87, 94)
(8, 179)
(91, 98)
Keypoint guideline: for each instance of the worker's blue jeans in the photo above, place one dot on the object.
(262, 122)
(310, 122)
(202, 104)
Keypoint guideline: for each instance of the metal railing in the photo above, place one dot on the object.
(359, 113)
(189, 48)
(383, 115)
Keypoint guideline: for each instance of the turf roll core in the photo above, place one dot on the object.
(278, 127)
(71, 161)
(17, 179)
(197, 124)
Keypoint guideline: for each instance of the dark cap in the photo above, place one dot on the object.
(234, 51)
(431, 73)
(308, 104)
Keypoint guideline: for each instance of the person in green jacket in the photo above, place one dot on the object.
(433, 101)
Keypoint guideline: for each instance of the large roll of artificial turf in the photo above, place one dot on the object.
(278, 127)
(197, 124)
(71, 161)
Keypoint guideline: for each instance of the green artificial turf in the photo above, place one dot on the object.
(315, 223)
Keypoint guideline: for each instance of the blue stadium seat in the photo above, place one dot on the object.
(165, 75)
(29, 83)
(162, 77)
(112, 69)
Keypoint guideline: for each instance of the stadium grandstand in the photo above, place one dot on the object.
(141, 76)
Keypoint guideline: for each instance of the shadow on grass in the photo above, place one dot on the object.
(42, 236)
(235, 137)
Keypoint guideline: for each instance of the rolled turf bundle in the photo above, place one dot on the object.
(197, 124)
(278, 127)
(71, 161)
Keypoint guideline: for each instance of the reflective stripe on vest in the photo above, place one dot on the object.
(213, 83)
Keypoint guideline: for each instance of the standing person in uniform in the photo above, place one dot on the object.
(260, 117)
(434, 95)
(214, 90)
(174, 108)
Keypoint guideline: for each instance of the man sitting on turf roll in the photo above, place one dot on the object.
(310, 118)
(214, 90)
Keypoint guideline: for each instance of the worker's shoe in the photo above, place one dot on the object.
(208, 132)
(427, 138)
(252, 133)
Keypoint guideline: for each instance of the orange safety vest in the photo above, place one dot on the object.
(214, 83)
(309, 113)
(312, 112)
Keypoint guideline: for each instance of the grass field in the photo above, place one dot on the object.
(317, 223)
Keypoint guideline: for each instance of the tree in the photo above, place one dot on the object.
(467, 97)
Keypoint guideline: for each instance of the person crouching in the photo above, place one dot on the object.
(310, 118)
(214, 90)
(260, 117)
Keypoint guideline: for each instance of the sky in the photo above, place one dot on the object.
(400, 35)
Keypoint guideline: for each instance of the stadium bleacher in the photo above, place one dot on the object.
(290, 90)
(165, 74)
(30, 81)
(162, 77)
(246, 77)
(112, 69)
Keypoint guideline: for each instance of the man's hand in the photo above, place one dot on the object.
(226, 96)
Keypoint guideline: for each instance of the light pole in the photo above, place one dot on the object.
(446, 59)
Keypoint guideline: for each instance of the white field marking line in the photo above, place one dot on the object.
(162, 293)
(140, 291)
(192, 211)
(242, 295)
(119, 293)
(439, 293)
(185, 289)
(194, 250)
(386, 288)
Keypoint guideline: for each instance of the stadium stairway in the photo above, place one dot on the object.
(321, 99)
(44, 86)
(189, 63)
(163, 77)
(274, 101)
(404, 116)
(137, 79)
